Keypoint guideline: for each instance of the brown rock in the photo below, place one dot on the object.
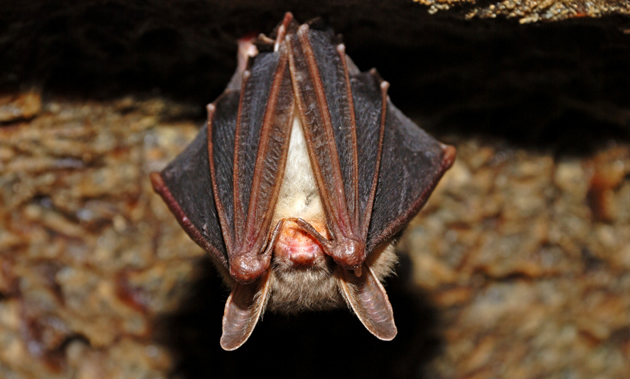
(20, 106)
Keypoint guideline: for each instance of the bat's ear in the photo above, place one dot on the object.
(368, 299)
(242, 310)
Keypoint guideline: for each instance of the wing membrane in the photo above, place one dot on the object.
(271, 156)
(412, 163)
(366, 92)
(262, 134)
(333, 74)
(257, 84)
(318, 132)
(186, 187)
(222, 117)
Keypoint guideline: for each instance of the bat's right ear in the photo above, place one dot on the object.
(243, 308)
(368, 299)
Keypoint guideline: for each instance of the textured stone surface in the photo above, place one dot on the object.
(528, 257)
(18, 106)
(86, 262)
(527, 11)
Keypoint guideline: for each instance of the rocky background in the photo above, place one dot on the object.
(518, 267)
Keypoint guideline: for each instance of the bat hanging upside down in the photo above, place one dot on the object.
(298, 184)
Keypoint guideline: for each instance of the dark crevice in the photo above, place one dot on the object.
(309, 345)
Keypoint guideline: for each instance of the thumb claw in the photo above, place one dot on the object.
(245, 269)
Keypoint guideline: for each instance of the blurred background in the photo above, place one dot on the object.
(517, 267)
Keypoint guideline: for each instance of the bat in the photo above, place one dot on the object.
(300, 181)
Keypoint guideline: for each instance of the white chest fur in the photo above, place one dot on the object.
(299, 196)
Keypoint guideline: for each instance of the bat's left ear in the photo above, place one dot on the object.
(368, 299)
(243, 309)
